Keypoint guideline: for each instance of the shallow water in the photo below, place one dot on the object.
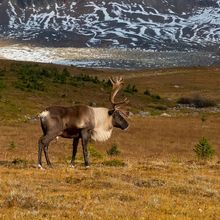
(109, 58)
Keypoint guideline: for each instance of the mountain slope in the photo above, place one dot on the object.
(146, 24)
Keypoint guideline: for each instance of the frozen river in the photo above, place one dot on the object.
(109, 58)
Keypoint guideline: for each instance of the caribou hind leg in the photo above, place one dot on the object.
(75, 145)
(85, 135)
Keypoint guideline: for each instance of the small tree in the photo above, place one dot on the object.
(132, 89)
(203, 117)
(204, 150)
(113, 151)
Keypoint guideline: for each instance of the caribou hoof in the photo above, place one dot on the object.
(87, 167)
(40, 167)
(72, 166)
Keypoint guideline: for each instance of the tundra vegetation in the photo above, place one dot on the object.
(204, 150)
(156, 175)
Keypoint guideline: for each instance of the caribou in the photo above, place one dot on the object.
(82, 122)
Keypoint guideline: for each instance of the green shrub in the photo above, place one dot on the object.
(2, 74)
(2, 85)
(29, 79)
(147, 92)
(161, 107)
(204, 150)
(61, 77)
(30, 83)
(92, 79)
(32, 76)
(87, 78)
(95, 153)
(17, 162)
(113, 151)
(154, 97)
(131, 89)
(106, 83)
(73, 82)
(45, 72)
(12, 145)
(50, 72)
(203, 117)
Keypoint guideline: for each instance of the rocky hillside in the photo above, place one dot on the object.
(146, 24)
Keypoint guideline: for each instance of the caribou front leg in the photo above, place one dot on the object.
(43, 144)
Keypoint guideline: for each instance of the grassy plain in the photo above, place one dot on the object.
(156, 175)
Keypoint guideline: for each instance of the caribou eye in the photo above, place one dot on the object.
(110, 112)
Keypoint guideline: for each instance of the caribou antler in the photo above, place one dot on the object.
(117, 84)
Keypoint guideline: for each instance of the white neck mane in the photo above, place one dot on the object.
(103, 125)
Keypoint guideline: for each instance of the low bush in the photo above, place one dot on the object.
(2, 74)
(29, 79)
(156, 97)
(19, 162)
(147, 92)
(34, 77)
(87, 78)
(161, 107)
(61, 77)
(12, 145)
(2, 85)
(131, 89)
(203, 117)
(113, 151)
(95, 153)
(153, 96)
(30, 84)
(92, 79)
(204, 150)
(197, 102)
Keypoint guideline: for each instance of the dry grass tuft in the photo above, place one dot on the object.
(114, 163)
(149, 183)
(15, 199)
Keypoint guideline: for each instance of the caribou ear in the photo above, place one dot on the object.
(110, 112)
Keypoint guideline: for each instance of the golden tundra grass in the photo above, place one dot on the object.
(161, 177)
